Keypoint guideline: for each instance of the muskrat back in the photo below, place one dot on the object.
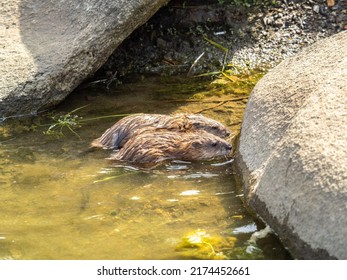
(116, 136)
(157, 146)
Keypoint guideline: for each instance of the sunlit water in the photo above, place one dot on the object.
(61, 201)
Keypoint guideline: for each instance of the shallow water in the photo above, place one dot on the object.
(61, 201)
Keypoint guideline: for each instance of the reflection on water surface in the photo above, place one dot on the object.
(61, 201)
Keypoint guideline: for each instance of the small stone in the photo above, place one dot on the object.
(331, 3)
(279, 23)
(316, 9)
(268, 20)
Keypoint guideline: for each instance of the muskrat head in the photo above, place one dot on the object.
(210, 147)
(199, 122)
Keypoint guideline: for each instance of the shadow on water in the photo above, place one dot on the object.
(61, 201)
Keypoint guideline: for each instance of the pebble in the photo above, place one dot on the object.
(316, 8)
(331, 3)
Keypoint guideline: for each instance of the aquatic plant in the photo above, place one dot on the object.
(243, 80)
(215, 44)
(72, 121)
(199, 244)
(227, 71)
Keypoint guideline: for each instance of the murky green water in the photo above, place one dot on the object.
(60, 201)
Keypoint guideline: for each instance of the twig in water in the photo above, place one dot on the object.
(219, 104)
(204, 101)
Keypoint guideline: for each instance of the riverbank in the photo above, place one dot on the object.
(257, 37)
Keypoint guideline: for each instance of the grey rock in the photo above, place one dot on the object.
(316, 9)
(47, 48)
(268, 20)
(293, 150)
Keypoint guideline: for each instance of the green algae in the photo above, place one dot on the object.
(198, 244)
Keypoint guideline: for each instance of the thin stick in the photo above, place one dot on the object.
(189, 74)
(205, 101)
(220, 104)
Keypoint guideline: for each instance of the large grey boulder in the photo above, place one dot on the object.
(293, 150)
(48, 47)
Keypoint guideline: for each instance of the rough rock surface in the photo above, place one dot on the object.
(293, 150)
(48, 47)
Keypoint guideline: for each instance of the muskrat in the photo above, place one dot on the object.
(159, 145)
(116, 136)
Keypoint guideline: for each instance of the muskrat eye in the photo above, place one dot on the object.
(196, 144)
(214, 144)
(215, 127)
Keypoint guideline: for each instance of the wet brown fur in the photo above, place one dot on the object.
(159, 145)
(116, 136)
